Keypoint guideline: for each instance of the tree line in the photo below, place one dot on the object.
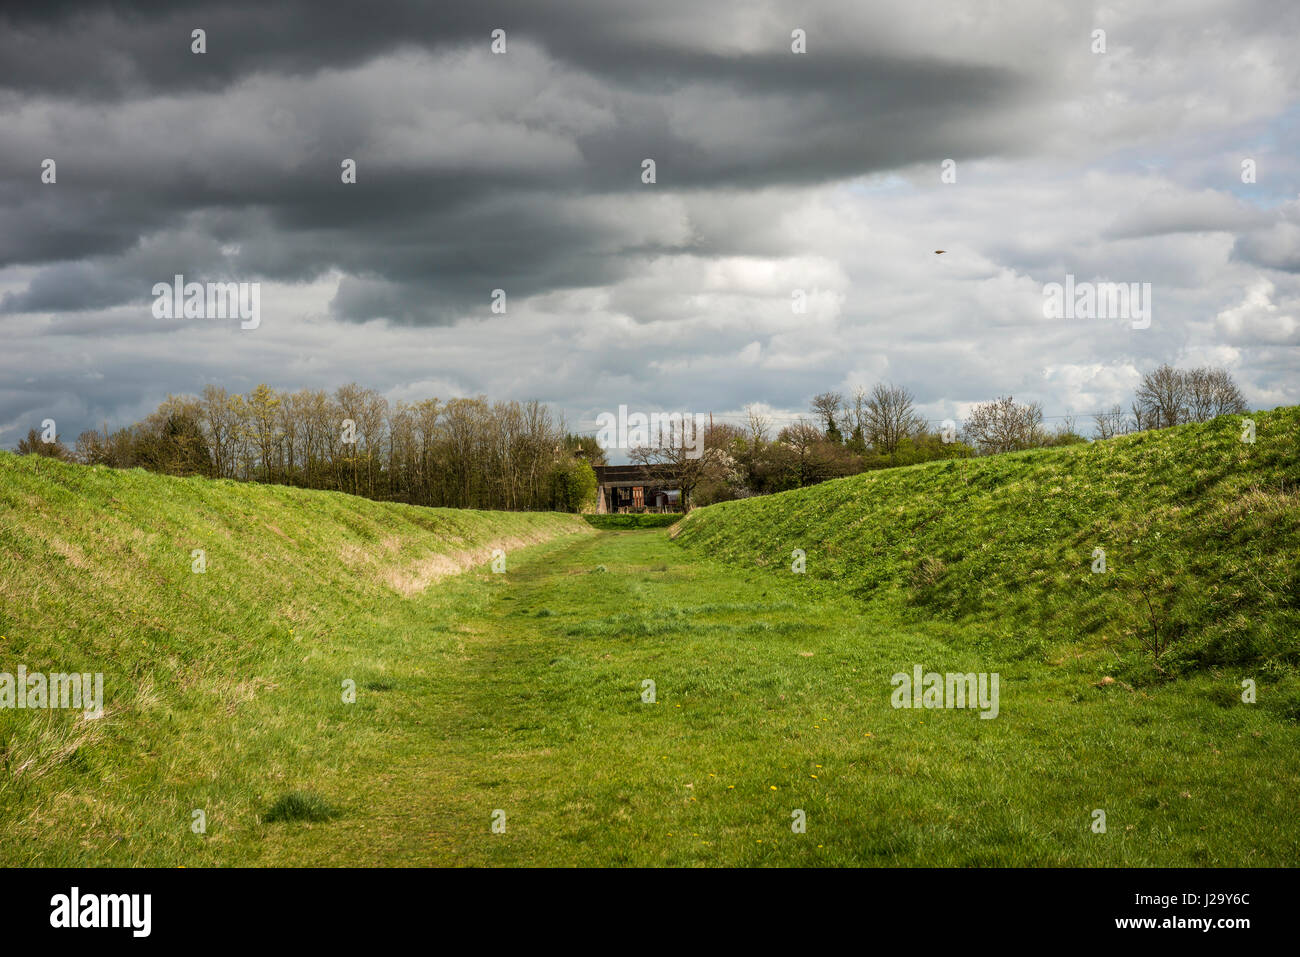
(461, 453)
(880, 428)
(469, 453)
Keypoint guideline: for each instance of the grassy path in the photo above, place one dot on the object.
(523, 692)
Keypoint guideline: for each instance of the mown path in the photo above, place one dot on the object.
(772, 698)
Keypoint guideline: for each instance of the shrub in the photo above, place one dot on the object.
(642, 520)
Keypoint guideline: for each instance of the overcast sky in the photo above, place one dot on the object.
(522, 171)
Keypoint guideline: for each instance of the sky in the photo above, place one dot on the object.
(779, 177)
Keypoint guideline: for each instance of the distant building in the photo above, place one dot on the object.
(636, 488)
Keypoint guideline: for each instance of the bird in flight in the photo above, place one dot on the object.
(940, 252)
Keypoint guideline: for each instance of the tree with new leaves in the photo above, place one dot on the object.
(34, 444)
(828, 407)
(812, 458)
(573, 485)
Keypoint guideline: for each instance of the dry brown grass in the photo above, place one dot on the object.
(410, 578)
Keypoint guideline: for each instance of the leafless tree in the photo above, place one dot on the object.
(1139, 419)
(890, 417)
(1111, 423)
(811, 457)
(673, 456)
(221, 420)
(1005, 425)
(759, 425)
(827, 407)
(1169, 396)
(1163, 397)
(1211, 393)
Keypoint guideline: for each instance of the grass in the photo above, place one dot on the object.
(633, 520)
(1200, 533)
(218, 685)
(299, 806)
(522, 693)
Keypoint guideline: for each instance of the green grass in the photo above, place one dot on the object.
(1203, 525)
(522, 692)
(299, 806)
(633, 520)
(219, 686)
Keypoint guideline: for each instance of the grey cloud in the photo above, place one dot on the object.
(522, 172)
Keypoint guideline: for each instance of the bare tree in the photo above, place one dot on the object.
(673, 457)
(828, 407)
(1005, 425)
(92, 447)
(856, 415)
(1211, 393)
(759, 425)
(812, 458)
(221, 429)
(1139, 419)
(1111, 423)
(890, 417)
(1169, 396)
(1163, 397)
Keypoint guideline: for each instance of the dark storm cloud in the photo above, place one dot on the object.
(522, 172)
(166, 137)
(110, 49)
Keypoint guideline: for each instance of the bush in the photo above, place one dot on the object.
(641, 520)
(573, 486)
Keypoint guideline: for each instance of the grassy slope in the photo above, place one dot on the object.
(772, 695)
(206, 675)
(1205, 525)
(522, 691)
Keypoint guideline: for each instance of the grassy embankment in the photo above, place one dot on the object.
(219, 685)
(523, 691)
